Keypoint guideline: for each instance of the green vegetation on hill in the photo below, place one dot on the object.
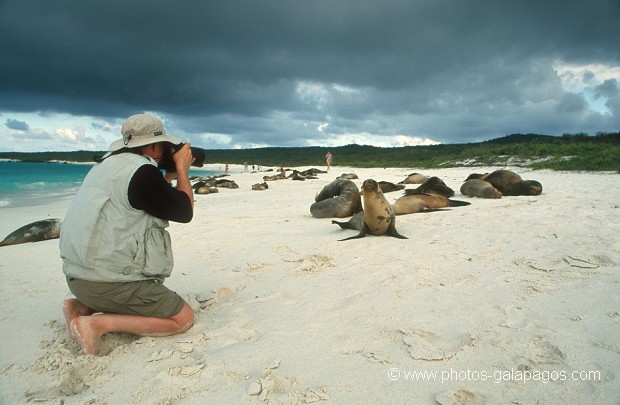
(77, 156)
(568, 152)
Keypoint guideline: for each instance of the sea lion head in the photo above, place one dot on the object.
(476, 176)
(434, 185)
(526, 187)
(370, 186)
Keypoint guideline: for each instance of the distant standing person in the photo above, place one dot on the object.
(226, 172)
(328, 159)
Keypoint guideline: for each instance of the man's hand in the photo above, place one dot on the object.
(183, 158)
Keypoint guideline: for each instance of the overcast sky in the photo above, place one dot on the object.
(253, 73)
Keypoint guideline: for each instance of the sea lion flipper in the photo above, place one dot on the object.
(458, 203)
(358, 236)
(343, 224)
(362, 233)
(356, 222)
(393, 232)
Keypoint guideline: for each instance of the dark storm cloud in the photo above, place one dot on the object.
(611, 90)
(450, 70)
(16, 124)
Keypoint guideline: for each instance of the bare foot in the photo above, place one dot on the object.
(85, 333)
(72, 308)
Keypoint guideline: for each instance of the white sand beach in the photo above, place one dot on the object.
(514, 300)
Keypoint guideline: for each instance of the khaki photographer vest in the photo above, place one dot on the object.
(103, 238)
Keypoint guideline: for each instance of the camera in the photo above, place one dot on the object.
(167, 163)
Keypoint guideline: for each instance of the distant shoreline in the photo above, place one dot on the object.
(68, 162)
(579, 152)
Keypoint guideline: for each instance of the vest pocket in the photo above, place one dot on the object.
(158, 260)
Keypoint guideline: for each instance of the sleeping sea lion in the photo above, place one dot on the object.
(526, 187)
(502, 179)
(225, 183)
(379, 218)
(388, 187)
(479, 188)
(433, 185)
(510, 183)
(412, 203)
(260, 186)
(414, 178)
(348, 176)
(312, 172)
(210, 182)
(296, 175)
(279, 176)
(34, 232)
(206, 190)
(476, 176)
(339, 199)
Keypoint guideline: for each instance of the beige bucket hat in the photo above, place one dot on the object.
(141, 130)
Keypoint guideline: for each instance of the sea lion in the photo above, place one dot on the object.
(274, 177)
(388, 187)
(312, 172)
(260, 186)
(225, 183)
(339, 199)
(479, 188)
(206, 190)
(510, 183)
(210, 182)
(34, 232)
(296, 175)
(379, 218)
(476, 176)
(279, 176)
(526, 187)
(348, 176)
(412, 203)
(433, 185)
(502, 179)
(414, 178)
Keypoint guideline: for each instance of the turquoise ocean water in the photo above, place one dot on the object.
(28, 184)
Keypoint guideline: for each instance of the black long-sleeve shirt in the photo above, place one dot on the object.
(149, 191)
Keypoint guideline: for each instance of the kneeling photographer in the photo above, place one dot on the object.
(115, 248)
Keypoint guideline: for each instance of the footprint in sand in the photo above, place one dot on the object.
(160, 355)
(460, 397)
(308, 263)
(425, 345)
(578, 260)
(186, 371)
(231, 335)
(516, 318)
(74, 372)
(271, 387)
(541, 352)
(202, 300)
(269, 383)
